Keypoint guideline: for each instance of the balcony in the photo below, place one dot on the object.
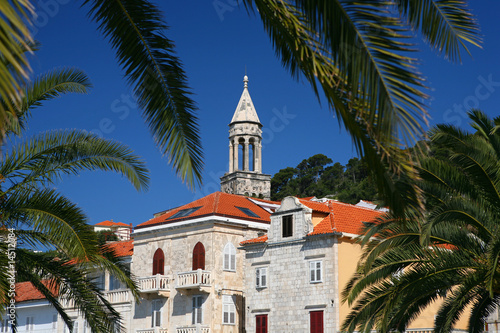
(157, 284)
(193, 281)
(118, 296)
(193, 329)
(152, 330)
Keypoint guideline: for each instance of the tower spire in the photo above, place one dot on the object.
(245, 137)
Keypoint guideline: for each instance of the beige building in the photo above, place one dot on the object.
(190, 267)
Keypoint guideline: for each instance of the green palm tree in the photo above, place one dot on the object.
(356, 53)
(450, 254)
(41, 217)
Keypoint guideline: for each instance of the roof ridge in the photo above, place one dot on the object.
(216, 202)
(331, 215)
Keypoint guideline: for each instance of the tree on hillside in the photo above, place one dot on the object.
(356, 54)
(35, 214)
(316, 176)
(450, 254)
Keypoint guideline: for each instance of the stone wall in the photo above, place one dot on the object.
(177, 245)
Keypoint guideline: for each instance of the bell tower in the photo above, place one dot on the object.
(245, 175)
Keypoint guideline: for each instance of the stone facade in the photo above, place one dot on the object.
(290, 295)
(247, 183)
(177, 243)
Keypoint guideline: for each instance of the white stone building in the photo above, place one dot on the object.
(295, 275)
(189, 267)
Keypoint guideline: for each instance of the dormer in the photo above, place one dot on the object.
(291, 221)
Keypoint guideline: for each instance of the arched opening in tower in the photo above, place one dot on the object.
(241, 154)
(251, 155)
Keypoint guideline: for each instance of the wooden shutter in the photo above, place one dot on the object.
(316, 318)
(261, 323)
(158, 262)
(198, 256)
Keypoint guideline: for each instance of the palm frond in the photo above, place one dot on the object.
(137, 32)
(14, 67)
(46, 87)
(448, 26)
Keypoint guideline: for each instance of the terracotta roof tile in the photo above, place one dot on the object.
(261, 239)
(122, 249)
(26, 291)
(318, 206)
(113, 224)
(341, 217)
(218, 203)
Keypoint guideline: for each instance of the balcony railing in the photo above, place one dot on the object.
(193, 329)
(152, 330)
(155, 284)
(193, 280)
(118, 296)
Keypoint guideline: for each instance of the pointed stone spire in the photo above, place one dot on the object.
(245, 175)
(245, 111)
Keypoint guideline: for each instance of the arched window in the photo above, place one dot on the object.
(198, 256)
(229, 257)
(158, 262)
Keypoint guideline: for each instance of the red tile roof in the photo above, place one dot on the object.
(26, 291)
(219, 204)
(122, 249)
(261, 239)
(314, 205)
(113, 224)
(341, 217)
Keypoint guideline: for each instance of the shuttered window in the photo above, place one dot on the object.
(261, 277)
(316, 321)
(261, 323)
(158, 262)
(315, 271)
(198, 256)
(287, 226)
(228, 309)
(229, 260)
(197, 310)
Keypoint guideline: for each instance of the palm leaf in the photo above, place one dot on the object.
(137, 32)
(15, 39)
(46, 87)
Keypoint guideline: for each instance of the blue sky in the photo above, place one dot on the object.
(216, 46)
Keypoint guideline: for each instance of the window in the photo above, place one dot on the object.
(315, 271)
(29, 324)
(197, 310)
(5, 326)
(261, 277)
(184, 212)
(316, 321)
(287, 225)
(229, 257)
(86, 327)
(158, 262)
(156, 306)
(114, 283)
(261, 323)
(99, 281)
(228, 309)
(54, 322)
(75, 327)
(198, 256)
(247, 211)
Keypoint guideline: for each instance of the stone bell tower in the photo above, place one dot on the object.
(245, 175)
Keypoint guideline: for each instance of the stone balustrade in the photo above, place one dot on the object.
(118, 296)
(195, 278)
(193, 329)
(154, 283)
(152, 330)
